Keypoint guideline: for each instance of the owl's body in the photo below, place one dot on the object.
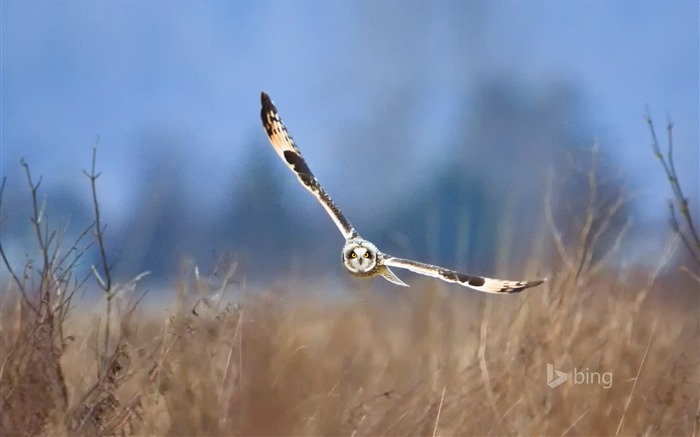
(361, 257)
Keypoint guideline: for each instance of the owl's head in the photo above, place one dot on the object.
(360, 257)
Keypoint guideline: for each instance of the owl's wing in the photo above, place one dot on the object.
(487, 285)
(285, 147)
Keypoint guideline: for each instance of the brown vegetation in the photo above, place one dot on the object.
(430, 360)
(301, 360)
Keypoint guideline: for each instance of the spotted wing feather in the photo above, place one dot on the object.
(285, 147)
(487, 285)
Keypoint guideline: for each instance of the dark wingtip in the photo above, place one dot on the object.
(536, 282)
(267, 106)
(528, 284)
(265, 99)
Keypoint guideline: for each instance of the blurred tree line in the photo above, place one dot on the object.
(482, 208)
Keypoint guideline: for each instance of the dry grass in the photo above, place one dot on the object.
(302, 360)
(428, 361)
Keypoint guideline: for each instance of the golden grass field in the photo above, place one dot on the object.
(362, 358)
(428, 360)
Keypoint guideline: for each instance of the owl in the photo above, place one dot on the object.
(359, 256)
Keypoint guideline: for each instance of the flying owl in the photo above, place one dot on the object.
(359, 256)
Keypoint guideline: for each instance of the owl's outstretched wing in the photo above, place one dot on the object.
(487, 285)
(285, 147)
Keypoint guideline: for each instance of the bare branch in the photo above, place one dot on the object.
(687, 230)
(6, 261)
(106, 280)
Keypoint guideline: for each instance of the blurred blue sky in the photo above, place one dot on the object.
(125, 70)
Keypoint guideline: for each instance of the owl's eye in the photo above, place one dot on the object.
(353, 255)
(366, 254)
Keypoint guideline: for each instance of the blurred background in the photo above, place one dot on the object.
(439, 128)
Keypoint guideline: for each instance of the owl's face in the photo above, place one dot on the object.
(360, 257)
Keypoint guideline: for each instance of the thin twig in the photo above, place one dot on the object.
(697, 419)
(36, 219)
(605, 221)
(103, 272)
(437, 417)
(106, 284)
(505, 414)
(636, 379)
(595, 268)
(584, 237)
(5, 260)
(691, 237)
(576, 421)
